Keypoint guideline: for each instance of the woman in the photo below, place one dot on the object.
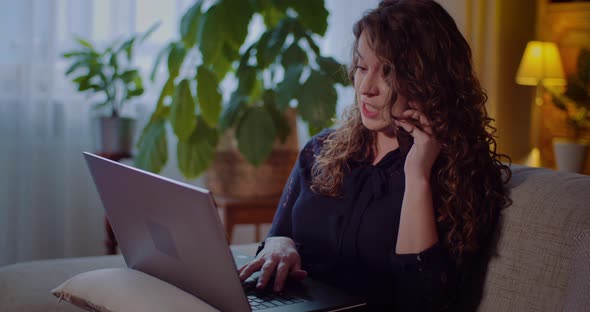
(394, 203)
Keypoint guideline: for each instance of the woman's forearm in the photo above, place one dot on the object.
(417, 228)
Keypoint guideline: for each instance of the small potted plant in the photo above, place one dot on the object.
(570, 152)
(109, 78)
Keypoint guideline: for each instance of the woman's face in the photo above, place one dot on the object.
(373, 91)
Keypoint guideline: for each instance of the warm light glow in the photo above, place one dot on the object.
(540, 63)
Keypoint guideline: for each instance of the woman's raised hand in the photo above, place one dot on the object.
(425, 149)
(279, 257)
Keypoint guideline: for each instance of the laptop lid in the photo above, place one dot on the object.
(172, 230)
(164, 229)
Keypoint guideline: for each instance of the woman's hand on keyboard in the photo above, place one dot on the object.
(280, 258)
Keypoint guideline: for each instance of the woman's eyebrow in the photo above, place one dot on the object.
(358, 53)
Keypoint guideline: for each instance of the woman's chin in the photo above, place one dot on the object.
(378, 126)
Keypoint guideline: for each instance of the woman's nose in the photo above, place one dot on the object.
(369, 86)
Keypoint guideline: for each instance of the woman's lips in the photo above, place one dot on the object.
(368, 111)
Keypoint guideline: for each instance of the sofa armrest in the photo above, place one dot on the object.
(27, 286)
(577, 298)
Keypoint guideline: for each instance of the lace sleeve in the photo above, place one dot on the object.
(282, 225)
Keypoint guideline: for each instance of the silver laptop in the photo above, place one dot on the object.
(172, 230)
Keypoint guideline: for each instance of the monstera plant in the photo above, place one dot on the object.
(281, 68)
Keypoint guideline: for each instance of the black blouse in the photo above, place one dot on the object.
(349, 241)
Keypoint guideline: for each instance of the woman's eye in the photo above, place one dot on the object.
(361, 67)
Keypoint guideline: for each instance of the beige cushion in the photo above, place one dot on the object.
(122, 289)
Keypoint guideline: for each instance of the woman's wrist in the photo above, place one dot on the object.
(418, 180)
(274, 240)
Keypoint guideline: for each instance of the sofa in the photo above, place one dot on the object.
(540, 261)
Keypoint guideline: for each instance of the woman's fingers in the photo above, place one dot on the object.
(268, 268)
(281, 276)
(250, 268)
(413, 114)
(297, 273)
(410, 128)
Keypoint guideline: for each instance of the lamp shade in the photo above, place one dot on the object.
(540, 63)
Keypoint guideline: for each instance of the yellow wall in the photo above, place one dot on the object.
(498, 31)
(516, 26)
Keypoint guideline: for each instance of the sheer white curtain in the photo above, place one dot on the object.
(48, 205)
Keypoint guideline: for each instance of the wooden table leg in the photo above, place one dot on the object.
(257, 232)
(228, 224)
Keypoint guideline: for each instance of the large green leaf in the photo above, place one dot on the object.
(262, 59)
(246, 56)
(313, 14)
(314, 46)
(195, 155)
(271, 14)
(223, 62)
(182, 112)
(189, 24)
(159, 57)
(289, 87)
(153, 148)
(208, 95)
(294, 54)
(317, 100)
(235, 108)
(175, 58)
(167, 90)
(211, 33)
(160, 114)
(256, 134)
(247, 79)
(270, 44)
(237, 18)
(334, 70)
(279, 120)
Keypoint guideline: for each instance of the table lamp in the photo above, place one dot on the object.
(540, 66)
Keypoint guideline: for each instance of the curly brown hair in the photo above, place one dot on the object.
(431, 65)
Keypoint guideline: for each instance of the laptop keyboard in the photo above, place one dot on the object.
(265, 299)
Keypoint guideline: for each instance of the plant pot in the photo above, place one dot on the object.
(231, 175)
(570, 154)
(113, 136)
